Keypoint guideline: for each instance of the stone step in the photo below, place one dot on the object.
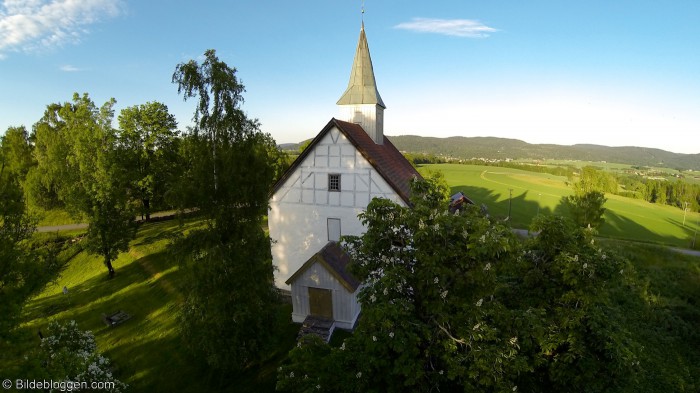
(322, 327)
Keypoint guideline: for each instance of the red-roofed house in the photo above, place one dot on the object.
(318, 198)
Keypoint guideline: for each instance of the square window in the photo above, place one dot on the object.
(334, 182)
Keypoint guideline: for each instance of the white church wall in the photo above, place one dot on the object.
(300, 208)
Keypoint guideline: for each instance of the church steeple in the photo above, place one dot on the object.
(362, 88)
(361, 102)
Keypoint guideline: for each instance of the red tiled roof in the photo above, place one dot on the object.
(335, 260)
(385, 158)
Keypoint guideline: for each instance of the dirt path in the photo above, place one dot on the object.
(686, 251)
(695, 253)
(70, 227)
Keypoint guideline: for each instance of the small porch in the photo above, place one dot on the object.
(324, 289)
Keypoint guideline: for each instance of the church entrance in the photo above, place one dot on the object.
(321, 302)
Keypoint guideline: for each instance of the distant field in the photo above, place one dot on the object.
(608, 166)
(580, 164)
(534, 193)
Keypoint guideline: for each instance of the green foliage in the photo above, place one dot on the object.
(229, 166)
(147, 153)
(664, 317)
(23, 268)
(304, 145)
(228, 161)
(70, 355)
(15, 263)
(227, 315)
(51, 147)
(582, 336)
(77, 165)
(429, 319)
(587, 208)
(591, 179)
(454, 303)
(586, 205)
(17, 151)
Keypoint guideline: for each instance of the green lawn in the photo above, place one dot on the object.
(534, 193)
(146, 350)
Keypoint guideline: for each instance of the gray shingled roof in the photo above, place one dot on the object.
(335, 260)
(362, 88)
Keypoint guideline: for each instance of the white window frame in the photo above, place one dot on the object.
(330, 228)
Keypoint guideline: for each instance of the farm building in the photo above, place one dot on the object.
(317, 200)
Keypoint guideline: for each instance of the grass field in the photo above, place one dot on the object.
(146, 350)
(534, 193)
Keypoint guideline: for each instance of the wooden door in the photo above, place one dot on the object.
(321, 302)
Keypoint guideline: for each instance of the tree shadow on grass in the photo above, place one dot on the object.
(136, 344)
(97, 295)
(150, 233)
(522, 211)
(690, 229)
(164, 363)
(619, 227)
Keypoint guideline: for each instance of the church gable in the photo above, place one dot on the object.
(332, 171)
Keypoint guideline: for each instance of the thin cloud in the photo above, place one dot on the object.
(70, 68)
(36, 25)
(453, 27)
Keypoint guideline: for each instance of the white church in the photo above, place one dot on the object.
(317, 200)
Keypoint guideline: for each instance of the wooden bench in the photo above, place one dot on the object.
(116, 318)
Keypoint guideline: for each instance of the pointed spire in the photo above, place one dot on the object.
(362, 88)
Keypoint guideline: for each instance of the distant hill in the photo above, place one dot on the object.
(502, 148)
(289, 146)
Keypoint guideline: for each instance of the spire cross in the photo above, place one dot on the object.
(363, 11)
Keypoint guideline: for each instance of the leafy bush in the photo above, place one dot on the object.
(70, 354)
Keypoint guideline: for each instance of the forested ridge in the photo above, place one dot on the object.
(502, 148)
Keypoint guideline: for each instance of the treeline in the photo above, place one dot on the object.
(422, 158)
(664, 192)
(74, 159)
(678, 193)
(144, 155)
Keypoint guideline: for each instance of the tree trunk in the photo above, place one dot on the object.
(110, 268)
(147, 208)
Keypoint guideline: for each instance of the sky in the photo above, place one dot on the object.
(607, 72)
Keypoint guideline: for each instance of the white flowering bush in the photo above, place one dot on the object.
(456, 303)
(70, 354)
(424, 286)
